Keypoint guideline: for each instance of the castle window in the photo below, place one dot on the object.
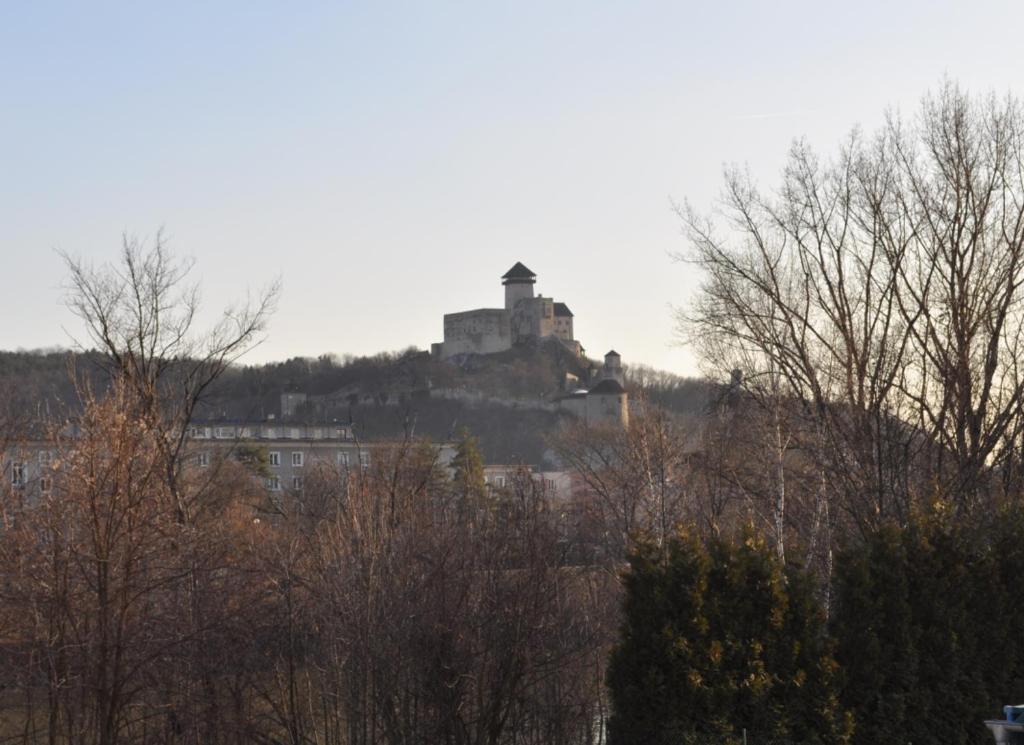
(17, 474)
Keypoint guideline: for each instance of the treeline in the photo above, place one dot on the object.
(848, 572)
(723, 643)
(868, 312)
(339, 383)
(929, 633)
(389, 605)
(146, 597)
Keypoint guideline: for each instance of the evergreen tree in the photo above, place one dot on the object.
(928, 629)
(876, 644)
(468, 470)
(718, 640)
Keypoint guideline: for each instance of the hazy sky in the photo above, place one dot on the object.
(390, 161)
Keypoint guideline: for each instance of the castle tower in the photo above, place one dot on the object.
(608, 403)
(612, 366)
(519, 282)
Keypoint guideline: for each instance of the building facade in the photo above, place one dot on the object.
(287, 454)
(605, 401)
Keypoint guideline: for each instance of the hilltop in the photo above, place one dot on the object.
(504, 399)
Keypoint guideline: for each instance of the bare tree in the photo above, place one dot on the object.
(142, 314)
(439, 619)
(635, 479)
(882, 289)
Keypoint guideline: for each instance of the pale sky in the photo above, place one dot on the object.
(389, 161)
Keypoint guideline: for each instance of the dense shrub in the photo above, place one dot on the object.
(719, 640)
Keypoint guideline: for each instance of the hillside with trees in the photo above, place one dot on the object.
(824, 548)
(504, 399)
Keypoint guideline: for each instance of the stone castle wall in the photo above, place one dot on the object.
(483, 331)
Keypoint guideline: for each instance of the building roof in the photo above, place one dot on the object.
(561, 309)
(613, 353)
(608, 386)
(519, 272)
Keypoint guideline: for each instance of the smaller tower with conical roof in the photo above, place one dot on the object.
(612, 366)
(519, 282)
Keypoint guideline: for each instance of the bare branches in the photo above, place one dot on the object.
(142, 313)
(884, 288)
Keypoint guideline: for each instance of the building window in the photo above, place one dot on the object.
(275, 458)
(274, 483)
(297, 460)
(45, 458)
(45, 484)
(296, 482)
(269, 432)
(343, 459)
(202, 459)
(17, 474)
(364, 459)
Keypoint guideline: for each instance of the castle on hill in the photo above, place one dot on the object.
(528, 317)
(525, 316)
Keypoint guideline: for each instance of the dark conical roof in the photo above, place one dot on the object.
(519, 271)
(608, 385)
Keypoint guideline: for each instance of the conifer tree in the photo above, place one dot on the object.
(468, 469)
(928, 630)
(876, 645)
(719, 640)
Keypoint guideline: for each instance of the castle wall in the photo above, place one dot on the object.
(534, 317)
(483, 331)
(524, 317)
(563, 327)
(575, 405)
(606, 408)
